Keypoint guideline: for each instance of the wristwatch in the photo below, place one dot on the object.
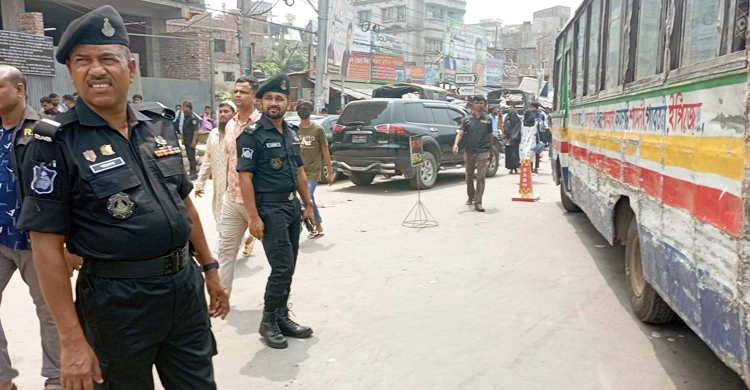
(208, 267)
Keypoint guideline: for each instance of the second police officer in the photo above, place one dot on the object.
(271, 171)
(107, 181)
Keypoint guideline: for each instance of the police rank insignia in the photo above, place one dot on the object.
(44, 180)
(106, 150)
(89, 155)
(120, 206)
(107, 29)
(276, 163)
(28, 132)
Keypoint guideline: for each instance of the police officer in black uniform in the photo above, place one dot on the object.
(107, 181)
(270, 170)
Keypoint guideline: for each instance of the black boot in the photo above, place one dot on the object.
(269, 329)
(291, 328)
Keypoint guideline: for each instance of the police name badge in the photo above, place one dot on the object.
(107, 29)
(276, 163)
(120, 206)
(247, 153)
(44, 180)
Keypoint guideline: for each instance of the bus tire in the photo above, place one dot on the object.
(647, 305)
(567, 204)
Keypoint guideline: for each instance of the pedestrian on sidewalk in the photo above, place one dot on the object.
(207, 120)
(271, 171)
(190, 126)
(476, 134)
(234, 217)
(315, 153)
(18, 118)
(530, 135)
(215, 161)
(179, 117)
(512, 138)
(108, 182)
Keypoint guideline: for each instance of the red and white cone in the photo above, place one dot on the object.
(525, 190)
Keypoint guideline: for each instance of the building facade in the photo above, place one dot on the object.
(419, 24)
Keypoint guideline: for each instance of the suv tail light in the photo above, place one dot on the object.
(338, 128)
(390, 129)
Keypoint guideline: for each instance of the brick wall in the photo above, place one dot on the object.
(186, 59)
(31, 23)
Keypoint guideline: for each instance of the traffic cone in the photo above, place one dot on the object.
(525, 190)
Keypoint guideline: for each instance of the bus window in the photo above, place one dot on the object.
(649, 38)
(614, 45)
(702, 29)
(579, 87)
(595, 17)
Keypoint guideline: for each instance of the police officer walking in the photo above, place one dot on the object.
(476, 132)
(271, 171)
(107, 181)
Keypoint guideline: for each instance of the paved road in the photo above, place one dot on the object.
(521, 297)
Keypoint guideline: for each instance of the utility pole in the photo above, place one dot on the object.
(246, 63)
(211, 65)
(322, 56)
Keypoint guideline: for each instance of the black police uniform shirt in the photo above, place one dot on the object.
(272, 157)
(476, 131)
(113, 198)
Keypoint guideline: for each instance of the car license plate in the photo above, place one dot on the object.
(359, 139)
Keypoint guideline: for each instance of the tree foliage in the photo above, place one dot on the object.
(287, 56)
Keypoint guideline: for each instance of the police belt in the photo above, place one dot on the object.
(164, 265)
(273, 197)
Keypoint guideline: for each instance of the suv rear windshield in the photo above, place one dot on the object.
(371, 113)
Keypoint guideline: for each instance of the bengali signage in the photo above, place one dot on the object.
(416, 151)
(465, 52)
(415, 74)
(31, 54)
(431, 74)
(387, 68)
(340, 36)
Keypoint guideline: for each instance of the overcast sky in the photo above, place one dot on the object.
(515, 13)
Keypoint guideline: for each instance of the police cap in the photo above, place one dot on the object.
(279, 83)
(102, 26)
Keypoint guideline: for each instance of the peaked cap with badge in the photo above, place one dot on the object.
(279, 83)
(102, 26)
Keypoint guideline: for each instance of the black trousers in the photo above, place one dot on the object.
(134, 324)
(187, 138)
(281, 243)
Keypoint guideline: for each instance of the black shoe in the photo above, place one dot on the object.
(193, 176)
(478, 207)
(469, 202)
(269, 329)
(291, 328)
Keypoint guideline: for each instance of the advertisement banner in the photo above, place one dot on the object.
(466, 52)
(340, 36)
(387, 68)
(415, 74)
(431, 74)
(386, 45)
(359, 67)
(416, 151)
(493, 74)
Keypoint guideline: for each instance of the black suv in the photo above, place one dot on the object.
(371, 138)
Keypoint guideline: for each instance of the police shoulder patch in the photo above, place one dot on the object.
(46, 129)
(250, 129)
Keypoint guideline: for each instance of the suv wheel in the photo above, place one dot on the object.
(427, 174)
(495, 165)
(362, 179)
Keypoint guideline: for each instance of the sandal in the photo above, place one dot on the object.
(313, 235)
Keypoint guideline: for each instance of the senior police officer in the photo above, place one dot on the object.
(108, 182)
(270, 170)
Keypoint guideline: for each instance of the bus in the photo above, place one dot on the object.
(649, 140)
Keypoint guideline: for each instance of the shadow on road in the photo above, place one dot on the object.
(689, 362)
(399, 186)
